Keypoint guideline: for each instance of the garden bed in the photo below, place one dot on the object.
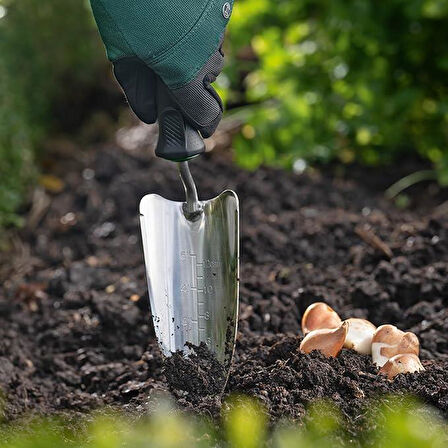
(75, 329)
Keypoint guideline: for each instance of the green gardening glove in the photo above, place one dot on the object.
(176, 41)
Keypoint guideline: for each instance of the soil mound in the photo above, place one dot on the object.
(75, 330)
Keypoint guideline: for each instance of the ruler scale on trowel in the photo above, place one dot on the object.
(191, 251)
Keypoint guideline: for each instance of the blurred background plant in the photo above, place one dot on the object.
(50, 59)
(341, 80)
(400, 423)
(314, 81)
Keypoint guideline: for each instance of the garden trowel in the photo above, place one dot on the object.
(191, 251)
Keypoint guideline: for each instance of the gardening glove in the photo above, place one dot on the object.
(178, 43)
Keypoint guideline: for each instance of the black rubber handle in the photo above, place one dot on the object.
(178, 141)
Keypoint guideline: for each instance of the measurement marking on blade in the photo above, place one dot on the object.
(199, 288)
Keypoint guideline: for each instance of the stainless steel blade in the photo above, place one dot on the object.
(192, 269)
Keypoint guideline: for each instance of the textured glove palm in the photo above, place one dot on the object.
(178, 41)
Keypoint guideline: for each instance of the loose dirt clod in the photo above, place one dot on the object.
(196, 375)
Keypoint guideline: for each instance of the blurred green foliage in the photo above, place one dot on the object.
(400, 424)
(319, 80)
(245, 423)
(355, 80)
(15, 148)
(48, 50)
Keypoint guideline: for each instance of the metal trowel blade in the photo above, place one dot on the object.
(192, 268)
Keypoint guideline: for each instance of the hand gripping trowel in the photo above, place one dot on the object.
(191, 251)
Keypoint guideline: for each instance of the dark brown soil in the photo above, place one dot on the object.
(75, 330)
(196, 377)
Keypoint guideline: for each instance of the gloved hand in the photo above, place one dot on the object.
(179, 41)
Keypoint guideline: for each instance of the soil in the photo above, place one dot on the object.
(196, 379)
(75, 327)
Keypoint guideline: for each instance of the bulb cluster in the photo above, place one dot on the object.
(393, 350)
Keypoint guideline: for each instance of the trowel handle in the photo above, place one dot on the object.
(178, 141)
